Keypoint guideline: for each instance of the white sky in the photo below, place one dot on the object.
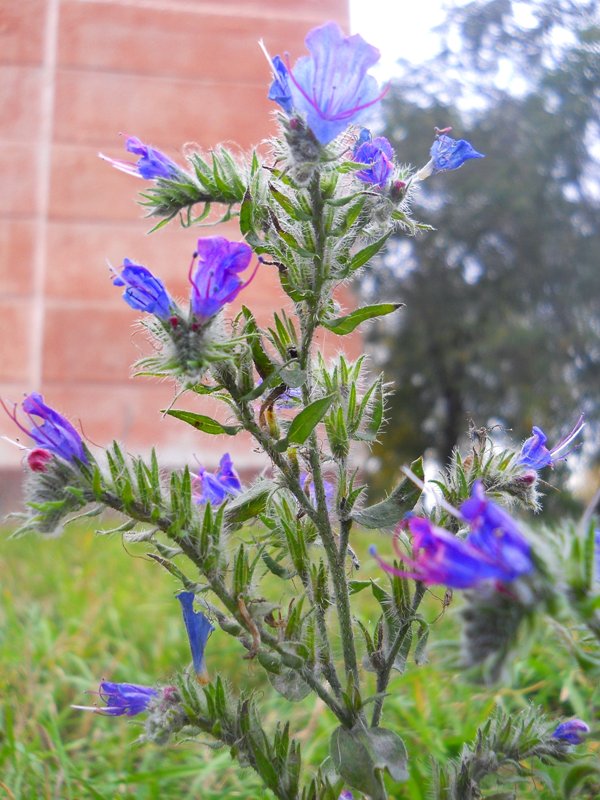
(399, 28)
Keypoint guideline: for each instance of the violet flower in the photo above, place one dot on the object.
(495, 534)
(379, 156)
(122, 698)
(494, 550)
(151, 164)
(536, 455)
(215, 280)
(307, 484)
(573, 731)
(448, 153)
(49, 429)
(144, 291)
(198, 629)
(330, 87)
(279, 90)
(217, 487)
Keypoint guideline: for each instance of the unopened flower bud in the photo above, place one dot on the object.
(38, 459)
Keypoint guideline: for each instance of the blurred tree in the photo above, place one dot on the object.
(502, 323)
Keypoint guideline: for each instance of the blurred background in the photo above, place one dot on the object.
(502, 323)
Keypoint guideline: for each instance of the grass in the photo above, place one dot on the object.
(78, 609)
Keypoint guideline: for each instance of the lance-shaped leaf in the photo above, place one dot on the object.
(306, 421)
(262, 362)
(390, 511)
(343, 325)
(366, 254)
(250, 503)
(203, 423)
(358, 752)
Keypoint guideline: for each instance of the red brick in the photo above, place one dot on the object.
(88, 343)
(15, 335)
(18, 167)
(92, 108)
(195, 43)
(17, 241)
(22, 27)
(20, 92)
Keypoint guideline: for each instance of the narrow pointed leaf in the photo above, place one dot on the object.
(306, 421)
(391, 510)
(347, 324)
(203, 423)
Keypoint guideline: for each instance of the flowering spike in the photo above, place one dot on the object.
(54, 433)
(217, 487)
(377, 154)
(572, 731)
(215, 281)
(122, 698)
(331, 86)
(151, 165)
(144, 291)
(198, 629)
(536, 455)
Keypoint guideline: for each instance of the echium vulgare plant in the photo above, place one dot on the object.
(314, 209)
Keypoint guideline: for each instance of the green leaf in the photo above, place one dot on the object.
(262, 362)
(389, 752)
(306, 421)
(347, 324)
(366, 254)
(354, 761)
(203, 423)
(391, 510)
(289, 684)
(246, 214)
(249, 504)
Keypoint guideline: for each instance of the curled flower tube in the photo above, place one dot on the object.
(534, 453)
(330, 87)
(143, 291)
(215, 281)
(573, 731)
(198, 629)
(122, 699)
(216, 487)
(49, 430)
(151, 164)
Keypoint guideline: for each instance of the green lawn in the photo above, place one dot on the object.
(78, 609)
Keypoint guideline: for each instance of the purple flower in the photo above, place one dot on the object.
(144, 292)
(198, 629)
(53, 433)
(151, 164)
(495, 534)
(378, 154)
(214, 489)
(573, 731)
(331, 86)
(308, 486)
(279, 90)
(215, 281)
(495, 549)
(448, 153)
(346, 795)
(439, 557)
(122, 698)
(535, 454)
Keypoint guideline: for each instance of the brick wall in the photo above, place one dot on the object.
(74, 73)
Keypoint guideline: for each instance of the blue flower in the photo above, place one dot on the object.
(198, 629)
(214, 489)
(308, 486)
(494, 550)
(495, 534)
(439, 557)
(331, 86)
(448, 153)
(122, 698)
(573, 731)
(215, 281)
(346, 795)
(279, 90)
(54, 433)
(144, 292)
(151, 164)
(378, 154)
(535, 454)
